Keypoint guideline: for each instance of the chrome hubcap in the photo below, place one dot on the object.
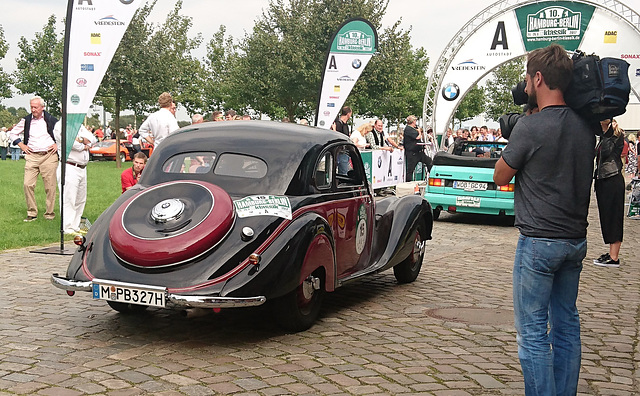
(309, 286)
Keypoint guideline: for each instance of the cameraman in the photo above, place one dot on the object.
(551, 154)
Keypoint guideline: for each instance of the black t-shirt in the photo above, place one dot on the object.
(410, 140)
(553, 152)
(342, 127)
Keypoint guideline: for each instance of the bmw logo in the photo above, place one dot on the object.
(126, 1)
(356, 63)
(379, 162)
(450, 92)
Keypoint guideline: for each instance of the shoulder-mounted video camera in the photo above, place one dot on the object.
(599, 90)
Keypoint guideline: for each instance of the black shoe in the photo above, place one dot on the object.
(602, 258)
(607, 263)
(30, 218)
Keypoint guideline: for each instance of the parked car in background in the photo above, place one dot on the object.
(461, 180)
(236, 214)
(106, 150)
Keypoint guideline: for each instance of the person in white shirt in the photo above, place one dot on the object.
(162, 123)
(75, 180)
(34, 135)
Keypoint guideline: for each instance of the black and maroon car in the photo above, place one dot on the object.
(234, 214)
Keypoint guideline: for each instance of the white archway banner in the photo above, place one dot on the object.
(515, 30)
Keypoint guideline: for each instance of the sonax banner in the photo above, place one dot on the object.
(352, 47)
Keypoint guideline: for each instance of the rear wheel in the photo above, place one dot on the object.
(123, 157)
(408, 270)
(299, 309)
(126, 308)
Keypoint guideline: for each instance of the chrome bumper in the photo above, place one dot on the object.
(178, 300)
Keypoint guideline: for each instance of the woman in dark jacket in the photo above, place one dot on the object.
(609, 186)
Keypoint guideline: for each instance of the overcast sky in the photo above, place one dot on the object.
(433, 22)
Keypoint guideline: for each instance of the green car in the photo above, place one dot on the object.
(461, 180)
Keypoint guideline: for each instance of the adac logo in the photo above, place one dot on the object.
(87, 53)
(554, 21)
(611, 37)
(109, 20)
(86, 67)
(450, 92)
(469, 64)
(336, 88)
(81, 82)
(75, 99)
(345, 78)
(96, 38)
(355, 40)
(356, 63)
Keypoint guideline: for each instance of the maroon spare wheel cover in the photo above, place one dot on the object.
(170, 223)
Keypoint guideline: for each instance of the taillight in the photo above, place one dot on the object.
(436, 182)
(508, 188)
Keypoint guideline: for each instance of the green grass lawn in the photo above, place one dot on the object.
(103, 188)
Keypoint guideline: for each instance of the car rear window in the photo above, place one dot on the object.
(200, 162)
(240, 165)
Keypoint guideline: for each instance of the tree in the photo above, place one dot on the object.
(276, 69)
(388, 88)
(39, 66)
(472, 105)
(5, 80)
(498, 90)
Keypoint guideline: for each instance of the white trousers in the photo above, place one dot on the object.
(75, 196)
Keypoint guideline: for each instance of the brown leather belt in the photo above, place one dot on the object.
(78, 165)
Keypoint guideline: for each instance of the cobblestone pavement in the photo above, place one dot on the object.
(449, 333)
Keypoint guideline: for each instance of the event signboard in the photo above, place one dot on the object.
(352, 47)
(94, 29)
(383, 168)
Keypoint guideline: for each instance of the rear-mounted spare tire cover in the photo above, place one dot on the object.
(170, 223)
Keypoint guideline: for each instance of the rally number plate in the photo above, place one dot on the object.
(470, 202)
(152, 296)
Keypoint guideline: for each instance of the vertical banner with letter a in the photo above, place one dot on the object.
(93, 32)
(352, 47)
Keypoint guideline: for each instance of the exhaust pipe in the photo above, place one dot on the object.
(191, 313)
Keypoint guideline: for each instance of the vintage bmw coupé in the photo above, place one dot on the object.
(235, 214)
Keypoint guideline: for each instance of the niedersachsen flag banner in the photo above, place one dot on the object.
(93, 31)
(351, 48)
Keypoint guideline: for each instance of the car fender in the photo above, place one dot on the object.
(406, 213)
(302, 247)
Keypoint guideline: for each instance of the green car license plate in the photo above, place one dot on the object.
(152, 296)
(470, 186)
(471, 202)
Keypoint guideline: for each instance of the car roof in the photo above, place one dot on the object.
(283, 146)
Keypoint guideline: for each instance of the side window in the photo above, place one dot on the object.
(346, 174)
(323, 174)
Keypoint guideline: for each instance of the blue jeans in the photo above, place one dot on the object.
(15, 153)
(546, 274)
